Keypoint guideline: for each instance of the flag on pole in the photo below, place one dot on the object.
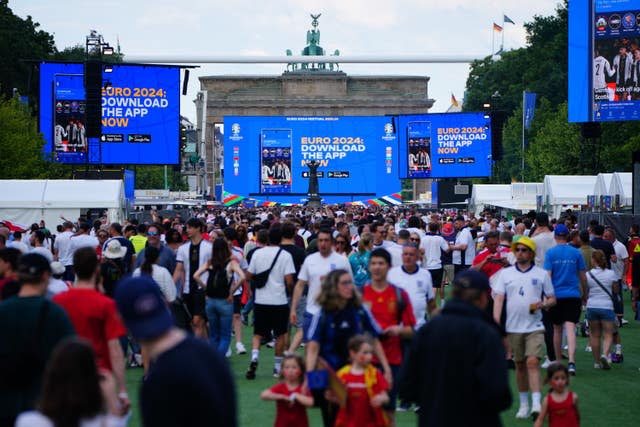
(507, 20)
(497, 28)
(528, 108)
(454, 101)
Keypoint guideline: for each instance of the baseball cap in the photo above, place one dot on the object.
(142, 307)
(561, 230)
(471, 279)
(31, 267)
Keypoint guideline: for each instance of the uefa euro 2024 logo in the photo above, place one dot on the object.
(388, 129)
(235, 129)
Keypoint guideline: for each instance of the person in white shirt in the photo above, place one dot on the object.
(542, 237)
(523, 286)
(82, 239)
(271, 308)
(432, 244)
(416, 282)
(18, 243)
(158, 273)
(37, 244)
(464, 248)
(62, 250)
(56, 284)
(602, 283)
(315, 267)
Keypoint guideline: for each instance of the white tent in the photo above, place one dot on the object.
(603, 184)
(622, 185)
(487, 194)
(566, 191)
(27, 201)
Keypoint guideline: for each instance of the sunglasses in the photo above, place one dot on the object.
(522, 250)
(414, 240)
(152, 233)
(340, 242)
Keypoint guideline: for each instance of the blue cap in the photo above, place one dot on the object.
(142, 307)
(561, 230)
(471, 279)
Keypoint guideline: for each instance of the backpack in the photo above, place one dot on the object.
(218, 283)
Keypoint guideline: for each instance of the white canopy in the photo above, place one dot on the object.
(567, 190)
(603, 184)
(622, 185)
(486, 194)
(27, 201)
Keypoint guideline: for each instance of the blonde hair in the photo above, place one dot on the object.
(365, 242)
(599, 259)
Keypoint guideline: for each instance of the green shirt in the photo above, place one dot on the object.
(18, 322)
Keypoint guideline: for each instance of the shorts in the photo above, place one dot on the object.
(195, 301)
(237, 304)
(267, 318)
(526, 344)
(448, 273)
(600, 314)
(566, 310)
(302, 308)
(306, 324)
(436, 277)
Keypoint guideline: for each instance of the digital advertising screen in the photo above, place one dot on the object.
(454, 145)
(266, 157)
(140, 114)
(604, 60)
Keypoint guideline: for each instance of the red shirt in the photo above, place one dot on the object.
(490, 268)
(562, 414)
(359, 412)
(94, 317)
(289, 415)
(384, 308)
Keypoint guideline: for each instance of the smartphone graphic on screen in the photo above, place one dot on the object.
(69, 114)
(419, 149)
(275, 161)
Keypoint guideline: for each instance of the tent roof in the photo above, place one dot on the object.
(526, 190)
(568, 189)
(603, 184)
(482, 193)
(61, 193)
(622, 184)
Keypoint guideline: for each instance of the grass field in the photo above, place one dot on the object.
(606, 398)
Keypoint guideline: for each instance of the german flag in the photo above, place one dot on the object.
(497, 28)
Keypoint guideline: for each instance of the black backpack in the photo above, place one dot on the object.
(218, 284)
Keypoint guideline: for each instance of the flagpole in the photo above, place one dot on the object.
(502, 32)
(523, 120)
(493, 40)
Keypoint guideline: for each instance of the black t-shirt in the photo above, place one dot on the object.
(298, 254)
(194, 264)
(605, 246)
(189, 385)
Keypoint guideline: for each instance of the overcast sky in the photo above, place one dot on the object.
(251, 27)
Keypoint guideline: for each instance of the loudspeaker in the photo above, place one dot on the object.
(93, 96)
(590, 130)
(185, 82)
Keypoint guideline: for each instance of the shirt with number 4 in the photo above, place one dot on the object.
(523, 288)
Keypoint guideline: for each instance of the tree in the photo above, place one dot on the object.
(20, 39)
(21, 145)
(152, 177)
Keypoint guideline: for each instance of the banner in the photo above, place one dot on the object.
(528, 108)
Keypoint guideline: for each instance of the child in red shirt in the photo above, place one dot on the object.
(366, 388)
(291, 401)
(561, 404)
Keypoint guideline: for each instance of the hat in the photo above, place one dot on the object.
(447, 229)
(32, 266)
(114, 250)
(471, 279)
(561, 230)
(524, 241)
(142, 307)
(57, 267)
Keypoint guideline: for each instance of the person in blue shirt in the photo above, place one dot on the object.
(566, 267)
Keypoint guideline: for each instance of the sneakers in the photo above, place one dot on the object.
(271, 344)
(244, 319)
(523, 413)
(596, 365)
(624, 321)
(251, 371)
(605, 362)
(276, 373)
(228, 353)
(572, 368)
(240, 349)
(588, 349)
(546, 363)
(535, 411)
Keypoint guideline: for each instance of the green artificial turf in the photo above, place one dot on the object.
(606, 398)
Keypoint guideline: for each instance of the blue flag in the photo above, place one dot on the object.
(528, 108)
(508, 20)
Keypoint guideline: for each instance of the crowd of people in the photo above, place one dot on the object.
(351, 299)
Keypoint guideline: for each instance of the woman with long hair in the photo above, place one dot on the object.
(224, 275)
(75, 393)
(602, 283)
(342, 316)
(157, 272)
